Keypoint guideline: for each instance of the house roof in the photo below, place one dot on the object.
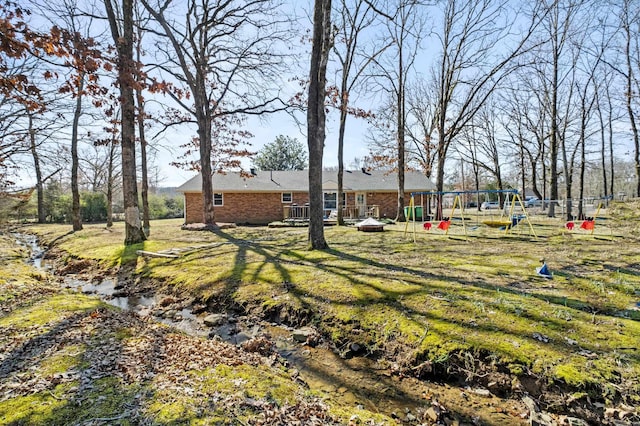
(298, 181)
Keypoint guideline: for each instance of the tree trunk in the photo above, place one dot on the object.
(569, 200)
(316, 118)
(76, 217)
(400, 135)
(343, 124)
(603, 148)
(42, 216)
(583, 162)
(112, 150)
(553, 143)
(143, 163)
(544, 174)
(523, 179)
(611, 161)
(568, 165)
(440, 175)
(632, 118)
(534, 178)
(126, 77)
(204, 134)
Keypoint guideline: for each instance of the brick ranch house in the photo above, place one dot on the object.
(268, 196)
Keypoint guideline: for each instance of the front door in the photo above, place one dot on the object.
(361, 204)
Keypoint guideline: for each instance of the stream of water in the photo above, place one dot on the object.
(356, 381)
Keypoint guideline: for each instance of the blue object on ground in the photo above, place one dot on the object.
(544, 272)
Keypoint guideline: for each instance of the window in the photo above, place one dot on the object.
(331, 198)
(218, 200)
(287, 197)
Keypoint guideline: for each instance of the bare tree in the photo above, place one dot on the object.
(467, 148)
(421, 127)
(112, 172)
(35, 147)
(630, 24)
(354, 58)
(140, 118)
(578, 96)
(470, 66)
(405, 25)
(26, 130)
(606, 117)
(479, 144)
(591, 63)
(322, 43)
(81, 80)
(559, 23)
(122, 32)
(224, 58)
(525, 109)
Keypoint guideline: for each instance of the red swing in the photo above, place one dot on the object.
(444, 224)
(588, 225)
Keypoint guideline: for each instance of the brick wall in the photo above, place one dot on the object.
(252, 208)
(262, 208)
(387, 202)
(193, 208)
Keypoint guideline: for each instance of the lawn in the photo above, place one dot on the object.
(464, 310)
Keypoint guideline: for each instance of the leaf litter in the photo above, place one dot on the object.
(144, 354)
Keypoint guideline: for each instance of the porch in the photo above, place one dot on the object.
(301, 213)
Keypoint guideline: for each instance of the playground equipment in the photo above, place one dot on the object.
(517, 213)
(589, 223)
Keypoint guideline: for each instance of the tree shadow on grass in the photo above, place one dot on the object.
(32, 350)
(360, 271)
(240, 262)
(129, 254)
(59, 238)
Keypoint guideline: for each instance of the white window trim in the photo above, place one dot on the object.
(221, 199)
(290, 198)
(344, 199)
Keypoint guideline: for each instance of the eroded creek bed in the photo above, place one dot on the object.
(344, 381)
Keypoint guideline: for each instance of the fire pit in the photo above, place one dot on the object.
(370, 225)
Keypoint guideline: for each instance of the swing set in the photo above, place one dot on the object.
(589, 223)
(517, 213)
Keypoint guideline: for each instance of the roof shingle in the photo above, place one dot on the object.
(298, 181)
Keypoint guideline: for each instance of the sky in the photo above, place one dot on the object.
(166, 148)
(265, 129)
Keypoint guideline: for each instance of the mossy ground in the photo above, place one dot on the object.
(67, 358)
(447, 301)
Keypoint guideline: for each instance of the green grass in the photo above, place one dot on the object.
(49, 311)
(38, 409)
(438, 298)
(107, 399)
(239, 383)
(56, 368)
